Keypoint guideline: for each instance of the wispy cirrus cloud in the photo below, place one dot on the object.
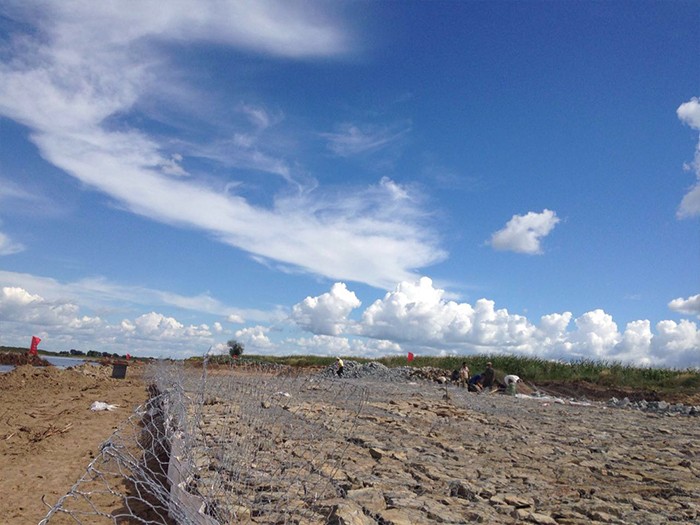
(67, 80)
(9, 246)
(354, 139)
(101, 295)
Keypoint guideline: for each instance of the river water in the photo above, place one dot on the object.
(59, 362)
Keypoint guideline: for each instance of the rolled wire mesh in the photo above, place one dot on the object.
(219, 446)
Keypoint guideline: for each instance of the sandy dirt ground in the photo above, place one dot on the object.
(49, 434)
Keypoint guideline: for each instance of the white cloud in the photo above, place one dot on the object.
(158, 326)
(417, 312)
(172, 166)
(636, 344)
(326, 314)
(689, 113)
(676, 344)
(416, 316)
(595, 336)
(337, 346)
(62, 326)
(8, 246)
(235, 318)
(255, 337)
(99, 294)
(523, 233)
(258, 116)
(690, 306)
(67, 85)
(351, 139)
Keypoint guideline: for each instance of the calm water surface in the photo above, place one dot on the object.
(59, 362)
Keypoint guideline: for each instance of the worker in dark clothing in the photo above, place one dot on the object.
(488, 376)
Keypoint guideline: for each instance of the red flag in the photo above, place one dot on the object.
(35, 344)
(128, 357)
(410, 356)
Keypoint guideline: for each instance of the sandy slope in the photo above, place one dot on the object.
(48, 434)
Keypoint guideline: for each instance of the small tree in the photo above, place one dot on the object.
(235, 349)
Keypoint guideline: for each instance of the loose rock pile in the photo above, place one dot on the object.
(658, 407)
(373, 370)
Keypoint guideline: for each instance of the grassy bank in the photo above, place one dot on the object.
(531, 369)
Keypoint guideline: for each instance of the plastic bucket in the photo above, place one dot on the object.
(118, 371)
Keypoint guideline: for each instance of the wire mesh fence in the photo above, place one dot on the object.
(220, 446)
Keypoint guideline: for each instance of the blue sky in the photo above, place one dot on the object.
(352, 178)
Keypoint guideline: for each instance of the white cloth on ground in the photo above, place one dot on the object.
(98, 406)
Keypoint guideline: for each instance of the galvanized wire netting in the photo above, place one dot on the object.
(220, 446)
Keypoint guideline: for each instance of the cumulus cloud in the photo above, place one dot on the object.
(689, 113)
(69, 85)
(524, 233)
(690, 306)
(596, 333)
(417, 316)
(255, 337)
(326, 314)
(337, 346)
(62, 325)
(418, 312)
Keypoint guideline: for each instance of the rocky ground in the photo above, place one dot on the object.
(421, 452)
(419, 458)
(391, 448)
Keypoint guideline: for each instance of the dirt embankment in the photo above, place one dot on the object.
(49, 435)
(17, 359)
(594, 392)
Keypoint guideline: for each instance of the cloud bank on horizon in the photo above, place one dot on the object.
(414, 317)
(114, 102)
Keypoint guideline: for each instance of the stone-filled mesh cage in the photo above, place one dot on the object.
(219, 446)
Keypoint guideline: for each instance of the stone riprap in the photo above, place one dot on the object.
(659, 407)
(358, 451)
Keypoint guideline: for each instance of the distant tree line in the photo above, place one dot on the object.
(91, 353)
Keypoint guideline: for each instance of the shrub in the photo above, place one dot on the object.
(235, 349)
